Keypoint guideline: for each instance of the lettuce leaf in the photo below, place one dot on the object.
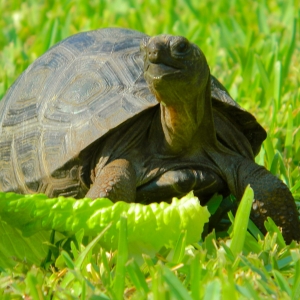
(150, 227)
(14, 247)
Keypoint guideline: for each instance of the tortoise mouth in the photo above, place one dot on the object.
(158, 71)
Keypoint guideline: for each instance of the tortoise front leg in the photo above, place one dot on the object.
(116, 181)
(272, 198)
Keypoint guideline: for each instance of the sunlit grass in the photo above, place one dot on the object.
(253, 48)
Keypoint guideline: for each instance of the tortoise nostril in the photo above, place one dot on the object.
(155, 50)
(152, 54)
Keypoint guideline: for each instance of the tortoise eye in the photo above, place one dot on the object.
(181, 47)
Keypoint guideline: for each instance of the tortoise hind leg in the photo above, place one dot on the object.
(272, 198)
(116, 181)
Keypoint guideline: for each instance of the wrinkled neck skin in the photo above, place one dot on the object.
(186, 121)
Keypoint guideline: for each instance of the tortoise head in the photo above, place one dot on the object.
(174, 68)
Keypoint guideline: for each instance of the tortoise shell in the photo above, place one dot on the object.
(74, 94)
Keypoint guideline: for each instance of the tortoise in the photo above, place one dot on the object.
(115, 113)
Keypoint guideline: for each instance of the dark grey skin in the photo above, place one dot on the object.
(180, 143)
(82, 121)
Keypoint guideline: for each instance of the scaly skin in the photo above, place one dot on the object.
(115, 181)
(276, 202)
(272, 199)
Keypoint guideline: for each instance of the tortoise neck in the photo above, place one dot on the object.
(188, 123)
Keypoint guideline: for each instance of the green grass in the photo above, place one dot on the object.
(253, 48)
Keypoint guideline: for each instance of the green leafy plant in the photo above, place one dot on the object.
(150, 227)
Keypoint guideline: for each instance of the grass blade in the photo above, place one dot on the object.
(179, 248)
(277, 84)
(34, 287)
(282, 282)
(195, 277)
(291, 49)
(175, 285)
(122, 257)
(241, 221)
(296, 283)
(289, 132)
(89, 247)
(137, 278)
(213, 290)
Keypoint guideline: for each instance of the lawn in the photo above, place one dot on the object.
(253, 48)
